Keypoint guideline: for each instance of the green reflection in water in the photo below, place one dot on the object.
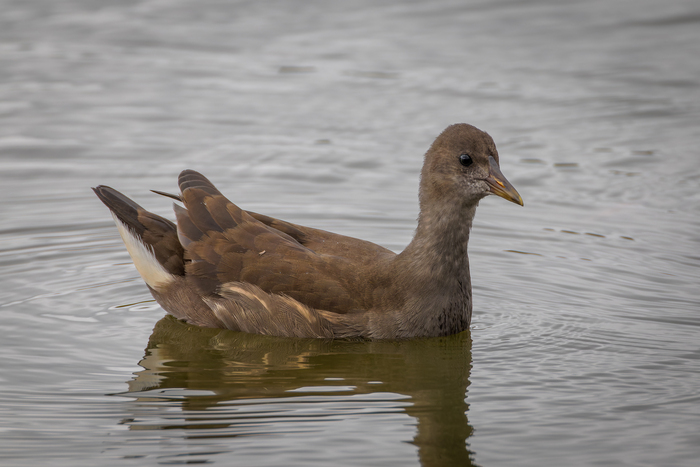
(202, 369)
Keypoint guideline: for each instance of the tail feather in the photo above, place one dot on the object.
(151, 240)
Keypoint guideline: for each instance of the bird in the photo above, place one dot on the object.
(220, 266)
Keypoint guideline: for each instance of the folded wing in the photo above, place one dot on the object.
(224, 244)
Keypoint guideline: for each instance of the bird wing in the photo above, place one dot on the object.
(225, 244)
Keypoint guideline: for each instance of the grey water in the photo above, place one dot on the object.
(585, 342)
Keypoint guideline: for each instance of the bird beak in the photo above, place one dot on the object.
(499, 185)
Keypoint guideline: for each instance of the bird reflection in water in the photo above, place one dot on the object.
(200, 369)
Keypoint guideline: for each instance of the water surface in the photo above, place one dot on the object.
(583, 348)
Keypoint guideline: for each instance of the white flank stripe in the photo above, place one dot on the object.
(143, 257)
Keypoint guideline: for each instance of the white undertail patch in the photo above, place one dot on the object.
(152, 272)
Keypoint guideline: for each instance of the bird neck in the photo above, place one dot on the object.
(433, 271)
(438, 251)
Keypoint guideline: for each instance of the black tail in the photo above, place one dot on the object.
(156, 233)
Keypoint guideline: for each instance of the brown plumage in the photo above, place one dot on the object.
(225, 267)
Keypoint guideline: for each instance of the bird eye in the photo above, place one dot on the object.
(465, 160)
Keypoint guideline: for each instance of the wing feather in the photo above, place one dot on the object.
(224, 244)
